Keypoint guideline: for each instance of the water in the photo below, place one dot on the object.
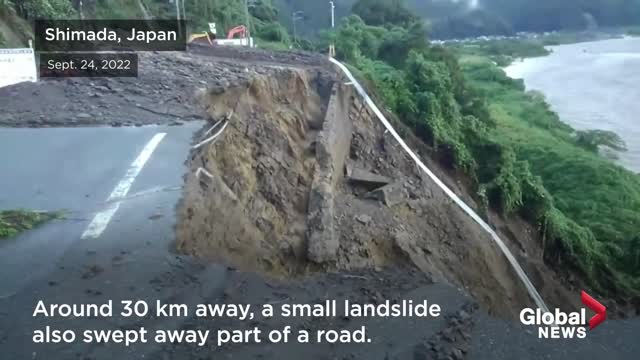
(592, 85)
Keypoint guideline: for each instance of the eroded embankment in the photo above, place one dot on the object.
(304, 179)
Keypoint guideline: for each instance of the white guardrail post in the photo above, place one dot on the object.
(533, 293)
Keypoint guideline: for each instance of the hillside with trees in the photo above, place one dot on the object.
(458, 19)
(264, 16)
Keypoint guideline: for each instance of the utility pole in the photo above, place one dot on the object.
(178, 16)
(184, 13)
(248, 22)
(332, 46)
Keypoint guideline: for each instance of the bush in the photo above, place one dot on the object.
(588, 206)
(45, 9)
(272, 32)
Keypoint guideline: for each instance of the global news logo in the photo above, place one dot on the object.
(561, 325)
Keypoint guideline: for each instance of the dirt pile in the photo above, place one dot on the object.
(305, 179)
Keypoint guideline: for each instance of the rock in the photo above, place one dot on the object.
(322, 244)
(363, 219)
(463, 315)
(83, 116)
(457, 354)
(447, 335)
(366, 178)
(406, 243)
(390, 195)
(421, 352)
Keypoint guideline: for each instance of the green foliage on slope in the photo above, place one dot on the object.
(34, 9)
(522, 158)
(594, 215)
(264, 17)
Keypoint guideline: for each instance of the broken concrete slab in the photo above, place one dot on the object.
(366, 178)
(332, 149)
(390, 195)
(322, 244)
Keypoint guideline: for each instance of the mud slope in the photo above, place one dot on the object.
(303, 179)
(252, 212)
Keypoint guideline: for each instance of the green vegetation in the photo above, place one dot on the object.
(502, 52)
(34, 9)
(13, 222)
(458, 19)
(225, 13)
(592, 217)
(264, 17)
(521, 157)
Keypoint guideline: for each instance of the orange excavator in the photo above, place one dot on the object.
(211, 36)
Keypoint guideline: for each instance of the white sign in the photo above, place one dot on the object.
(212, 28)
(235, 42)
(16, 66)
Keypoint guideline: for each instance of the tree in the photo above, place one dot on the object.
(384, 13)
(44, 9)
(593, 139)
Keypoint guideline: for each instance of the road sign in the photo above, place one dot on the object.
(16, 66)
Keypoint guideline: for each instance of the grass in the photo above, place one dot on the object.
(12, 222)
(593, 218)
(502, 52)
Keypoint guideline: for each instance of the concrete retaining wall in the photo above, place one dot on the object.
(332, 150)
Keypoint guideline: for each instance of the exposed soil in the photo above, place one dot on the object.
(251, 208)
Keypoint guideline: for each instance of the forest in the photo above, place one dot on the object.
(444, 19)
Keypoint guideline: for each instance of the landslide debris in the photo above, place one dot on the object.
(304, 179)
(163, 92)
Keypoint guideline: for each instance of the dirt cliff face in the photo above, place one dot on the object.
(252, 212)
(277, 195)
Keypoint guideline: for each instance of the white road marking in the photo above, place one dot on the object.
(102, 219)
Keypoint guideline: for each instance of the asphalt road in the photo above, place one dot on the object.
(89, 172)
(77, 170)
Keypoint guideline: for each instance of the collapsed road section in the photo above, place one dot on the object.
(295, 186)
(304, 179)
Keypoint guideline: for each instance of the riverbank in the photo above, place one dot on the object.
(512, 151)
(592, 210)
(505, 51)
(602, 77)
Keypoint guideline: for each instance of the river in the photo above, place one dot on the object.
(593, 85)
